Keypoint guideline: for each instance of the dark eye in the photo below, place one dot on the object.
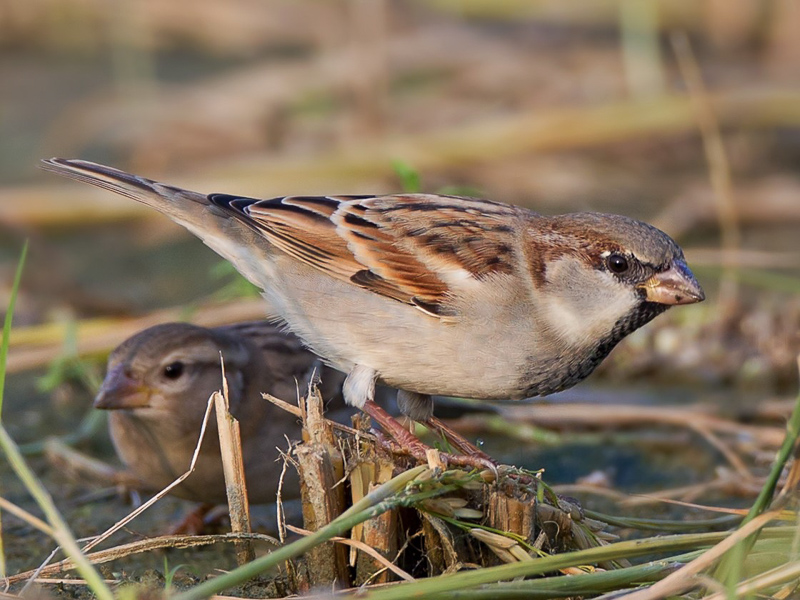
(173, 370)
(617, 263)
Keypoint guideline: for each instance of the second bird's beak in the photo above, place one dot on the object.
(676, 285)
(120, 391)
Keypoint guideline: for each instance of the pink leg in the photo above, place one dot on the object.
(417, 449)
(458, 440)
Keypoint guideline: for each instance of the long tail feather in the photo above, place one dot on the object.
(184, 206)
(225, 231)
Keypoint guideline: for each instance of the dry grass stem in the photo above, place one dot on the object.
(735, 461)
(78, 465)
(792, 483)
(25, 516)
(123, 522)
(141, 546)
(61, 531)
(626, 415)
(357, 545)
(42, 580)
(726, 481)
(719, 167)
(788, 574)
(39, 345)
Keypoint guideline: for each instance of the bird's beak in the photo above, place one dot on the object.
(119, 391)
(676, 285)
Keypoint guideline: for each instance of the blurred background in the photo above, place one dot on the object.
(683, 113)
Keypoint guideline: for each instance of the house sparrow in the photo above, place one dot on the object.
(433, 294)
(157, 389)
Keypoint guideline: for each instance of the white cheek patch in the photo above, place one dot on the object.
(583, 305)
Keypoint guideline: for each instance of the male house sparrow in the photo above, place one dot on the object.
(433, 294)
(157, 390)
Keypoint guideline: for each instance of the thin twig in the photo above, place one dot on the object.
(120, 524)
(145, 545)
(364, 548)
(298, 412)
(733, 458)
(24, 515)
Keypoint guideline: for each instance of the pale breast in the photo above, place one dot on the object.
(479, 356)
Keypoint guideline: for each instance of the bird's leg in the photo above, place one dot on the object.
(194, 522)
(359, 391)
(407, 441)
(411, 444)
(420, 408)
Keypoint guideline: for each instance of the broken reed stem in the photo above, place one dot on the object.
(230, 444)
(298, 412)
(321, 467)
(380, 533)
(372, 505)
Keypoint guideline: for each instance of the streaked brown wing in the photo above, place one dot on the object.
(411, 248)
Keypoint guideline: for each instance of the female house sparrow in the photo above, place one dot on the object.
(157, 389)
(433, 294)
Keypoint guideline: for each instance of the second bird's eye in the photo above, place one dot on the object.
(617, 263)
(173, 370)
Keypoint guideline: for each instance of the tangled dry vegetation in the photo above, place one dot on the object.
(373, 520)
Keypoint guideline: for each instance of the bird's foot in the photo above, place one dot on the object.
(194, 522)
(408, 443)
(459, 441)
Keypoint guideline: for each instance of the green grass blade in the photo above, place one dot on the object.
(466, 580)
(3, 359)
(61, 532)
(409, 177)
(730, 569)
(7, 323)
